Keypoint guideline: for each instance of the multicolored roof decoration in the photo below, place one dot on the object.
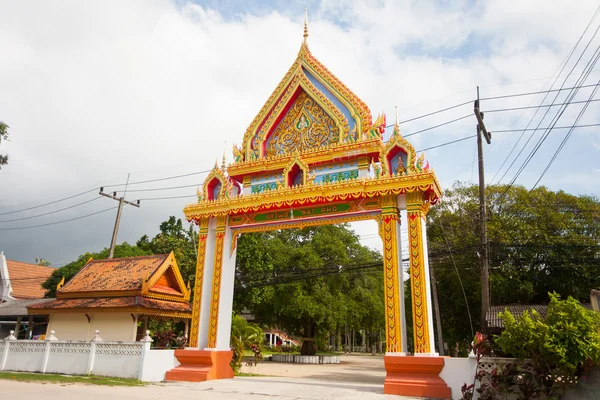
(314, 140)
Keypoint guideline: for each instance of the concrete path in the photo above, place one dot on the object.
(274, 388)
(357, 377)
(352, 368)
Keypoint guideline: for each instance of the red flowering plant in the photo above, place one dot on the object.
(487, 389)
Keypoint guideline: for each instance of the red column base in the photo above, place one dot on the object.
(415, 376)
(201, 365)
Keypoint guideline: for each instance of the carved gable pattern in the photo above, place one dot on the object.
(305, 126)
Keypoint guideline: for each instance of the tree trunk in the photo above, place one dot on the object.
(308, 343)
(353, 340)
(347, 343)
(339, 338)
(364, 343)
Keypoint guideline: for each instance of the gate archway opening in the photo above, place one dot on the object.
(312, 156)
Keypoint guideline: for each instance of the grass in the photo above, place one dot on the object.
(56, 378)
(250, 374)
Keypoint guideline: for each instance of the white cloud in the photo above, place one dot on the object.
(95, 90)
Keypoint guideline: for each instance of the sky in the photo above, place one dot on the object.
(99, 92)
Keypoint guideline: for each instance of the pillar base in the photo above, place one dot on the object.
(201, 365)
(415, 376)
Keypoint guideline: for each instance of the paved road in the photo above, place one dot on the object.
(362, 369)
(275, 388)
(357, 377)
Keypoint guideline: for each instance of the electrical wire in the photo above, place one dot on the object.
(160, 179)
(51, 212)
(536, 93)
(52, 202)
(542, 106)
(559, 113)
(58, 222)
(568, 135)
(561, 69)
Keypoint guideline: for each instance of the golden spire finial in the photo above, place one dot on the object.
(305, 24)
(396, 114)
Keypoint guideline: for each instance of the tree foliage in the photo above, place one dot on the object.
(307, 281)
(540, 241)
(3, 136)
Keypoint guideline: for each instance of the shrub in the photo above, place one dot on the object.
(560, 345)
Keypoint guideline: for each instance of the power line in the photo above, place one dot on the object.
(51, 212)
(169, 198)
(439, 125)
(562, 144)
(58, 222)
(538, 92)
(548, 127)
(559, 113)
(160, 179)
(161, 188)
(561, 69)
(542, 106)
(52, 202)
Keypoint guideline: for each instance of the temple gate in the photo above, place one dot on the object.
(313, 156)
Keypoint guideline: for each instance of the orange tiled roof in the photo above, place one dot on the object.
(26, 279)
(138, 302)
(116, 274)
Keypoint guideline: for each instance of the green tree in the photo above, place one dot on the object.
(43, 262)
(540, 241)
(69, 270)
(181, 241)
(301, 280)
(3, 136)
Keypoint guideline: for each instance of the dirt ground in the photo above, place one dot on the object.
(353, 368)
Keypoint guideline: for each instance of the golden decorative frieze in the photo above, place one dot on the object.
(316, 192)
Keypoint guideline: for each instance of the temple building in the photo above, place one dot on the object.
(117, 297)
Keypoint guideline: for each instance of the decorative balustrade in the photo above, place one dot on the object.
(116, 359)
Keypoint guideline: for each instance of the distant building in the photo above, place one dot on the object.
(117, 297)
(19, 281)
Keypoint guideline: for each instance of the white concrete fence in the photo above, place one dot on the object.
(115, 359)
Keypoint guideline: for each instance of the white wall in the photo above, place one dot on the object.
(156, 363)
(27, 356)
(71, 326)
(457, 372)
(117, 359)
(67, 356)
(112, 326)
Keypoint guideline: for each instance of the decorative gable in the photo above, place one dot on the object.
(166, 282)
(332, 114)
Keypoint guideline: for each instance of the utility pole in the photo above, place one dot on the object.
(485, 279)
(121, 201)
